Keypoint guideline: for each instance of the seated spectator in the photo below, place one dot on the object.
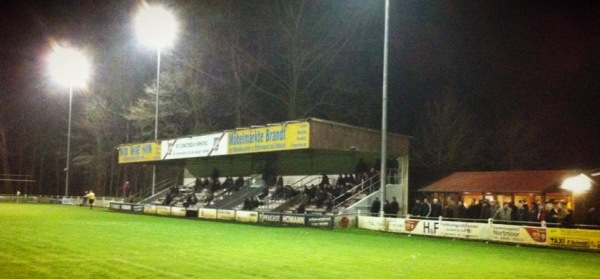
(239, 183)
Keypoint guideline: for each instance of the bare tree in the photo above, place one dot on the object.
(444, 140)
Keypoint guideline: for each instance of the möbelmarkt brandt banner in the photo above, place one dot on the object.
(271, 138)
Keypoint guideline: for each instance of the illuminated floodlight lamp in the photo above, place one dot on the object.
(68, 67)
(580, 183)
(156, 26)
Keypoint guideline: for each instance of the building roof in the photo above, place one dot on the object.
(501, 181)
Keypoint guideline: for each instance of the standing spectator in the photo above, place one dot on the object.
(486, 210)
(550, 214)
(436, 209)
(451, 209)
(522, 211)
(125, 190)
(394, 207)
(91, 197)
(461, 210)
(361, 167)
(425, 208)
(375, 207)
(567, 222)
(416, 211)
(503, 213)
(386, 209)
(473, 211)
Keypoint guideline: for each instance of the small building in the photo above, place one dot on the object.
(514, 186)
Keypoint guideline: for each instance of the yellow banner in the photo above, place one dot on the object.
(139, 152)
(272, 138)
(574, 238)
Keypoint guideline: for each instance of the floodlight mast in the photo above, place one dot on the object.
(70, 68)
(383, 171)
(156, 27)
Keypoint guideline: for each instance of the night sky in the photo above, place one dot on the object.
(535, 59)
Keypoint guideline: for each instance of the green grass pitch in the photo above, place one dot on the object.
(59, 241)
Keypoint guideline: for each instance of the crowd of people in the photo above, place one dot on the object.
(551, 212)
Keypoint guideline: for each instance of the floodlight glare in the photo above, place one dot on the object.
(578, 183)
(69, 67)
(156, 26)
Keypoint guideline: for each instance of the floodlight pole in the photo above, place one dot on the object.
(68, 141)
(156, 117)
(383, 171)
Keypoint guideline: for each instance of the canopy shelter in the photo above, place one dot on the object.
(511, 186)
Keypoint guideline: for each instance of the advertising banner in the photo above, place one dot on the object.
(395, 225)
(464, 230)
(271, 138)
(319, 221)
(150, 209)
(371, 223)
(163, 210)
(518, 234)
(207, 213)
(345, 221)
(178, 211)
(140, 152)
(574, 238)
(270, 218)
(191, 147)
(225, 214)
(246, 216)
(288, 219)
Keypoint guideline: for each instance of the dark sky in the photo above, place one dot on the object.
(535, 59)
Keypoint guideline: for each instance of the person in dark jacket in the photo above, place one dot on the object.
(416, 211)
(394, 207)
(436, 209)
(375, 207)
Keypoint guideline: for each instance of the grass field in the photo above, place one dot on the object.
(59, 241)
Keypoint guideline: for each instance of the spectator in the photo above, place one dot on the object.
(486, 210)
(387, 211)
(168, 199)
(425, 208)
(567, 221)
(416, 211)
(301, 209)
(361, 167)
(503, 213)
(239, 183)
(436, 209)
(125, 189)
(451, 209)
(375, 207)
(394, 207)
(84, 201)
(522, 211)
(461, 210)
(473, 211)
(550, 214)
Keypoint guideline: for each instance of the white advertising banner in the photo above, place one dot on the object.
(191, 147)
(226, 214)
(150, 209)
(371, 223)
(518, 234)
(207, 213)
(178, 211)
(464, 230)
(246, 216)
